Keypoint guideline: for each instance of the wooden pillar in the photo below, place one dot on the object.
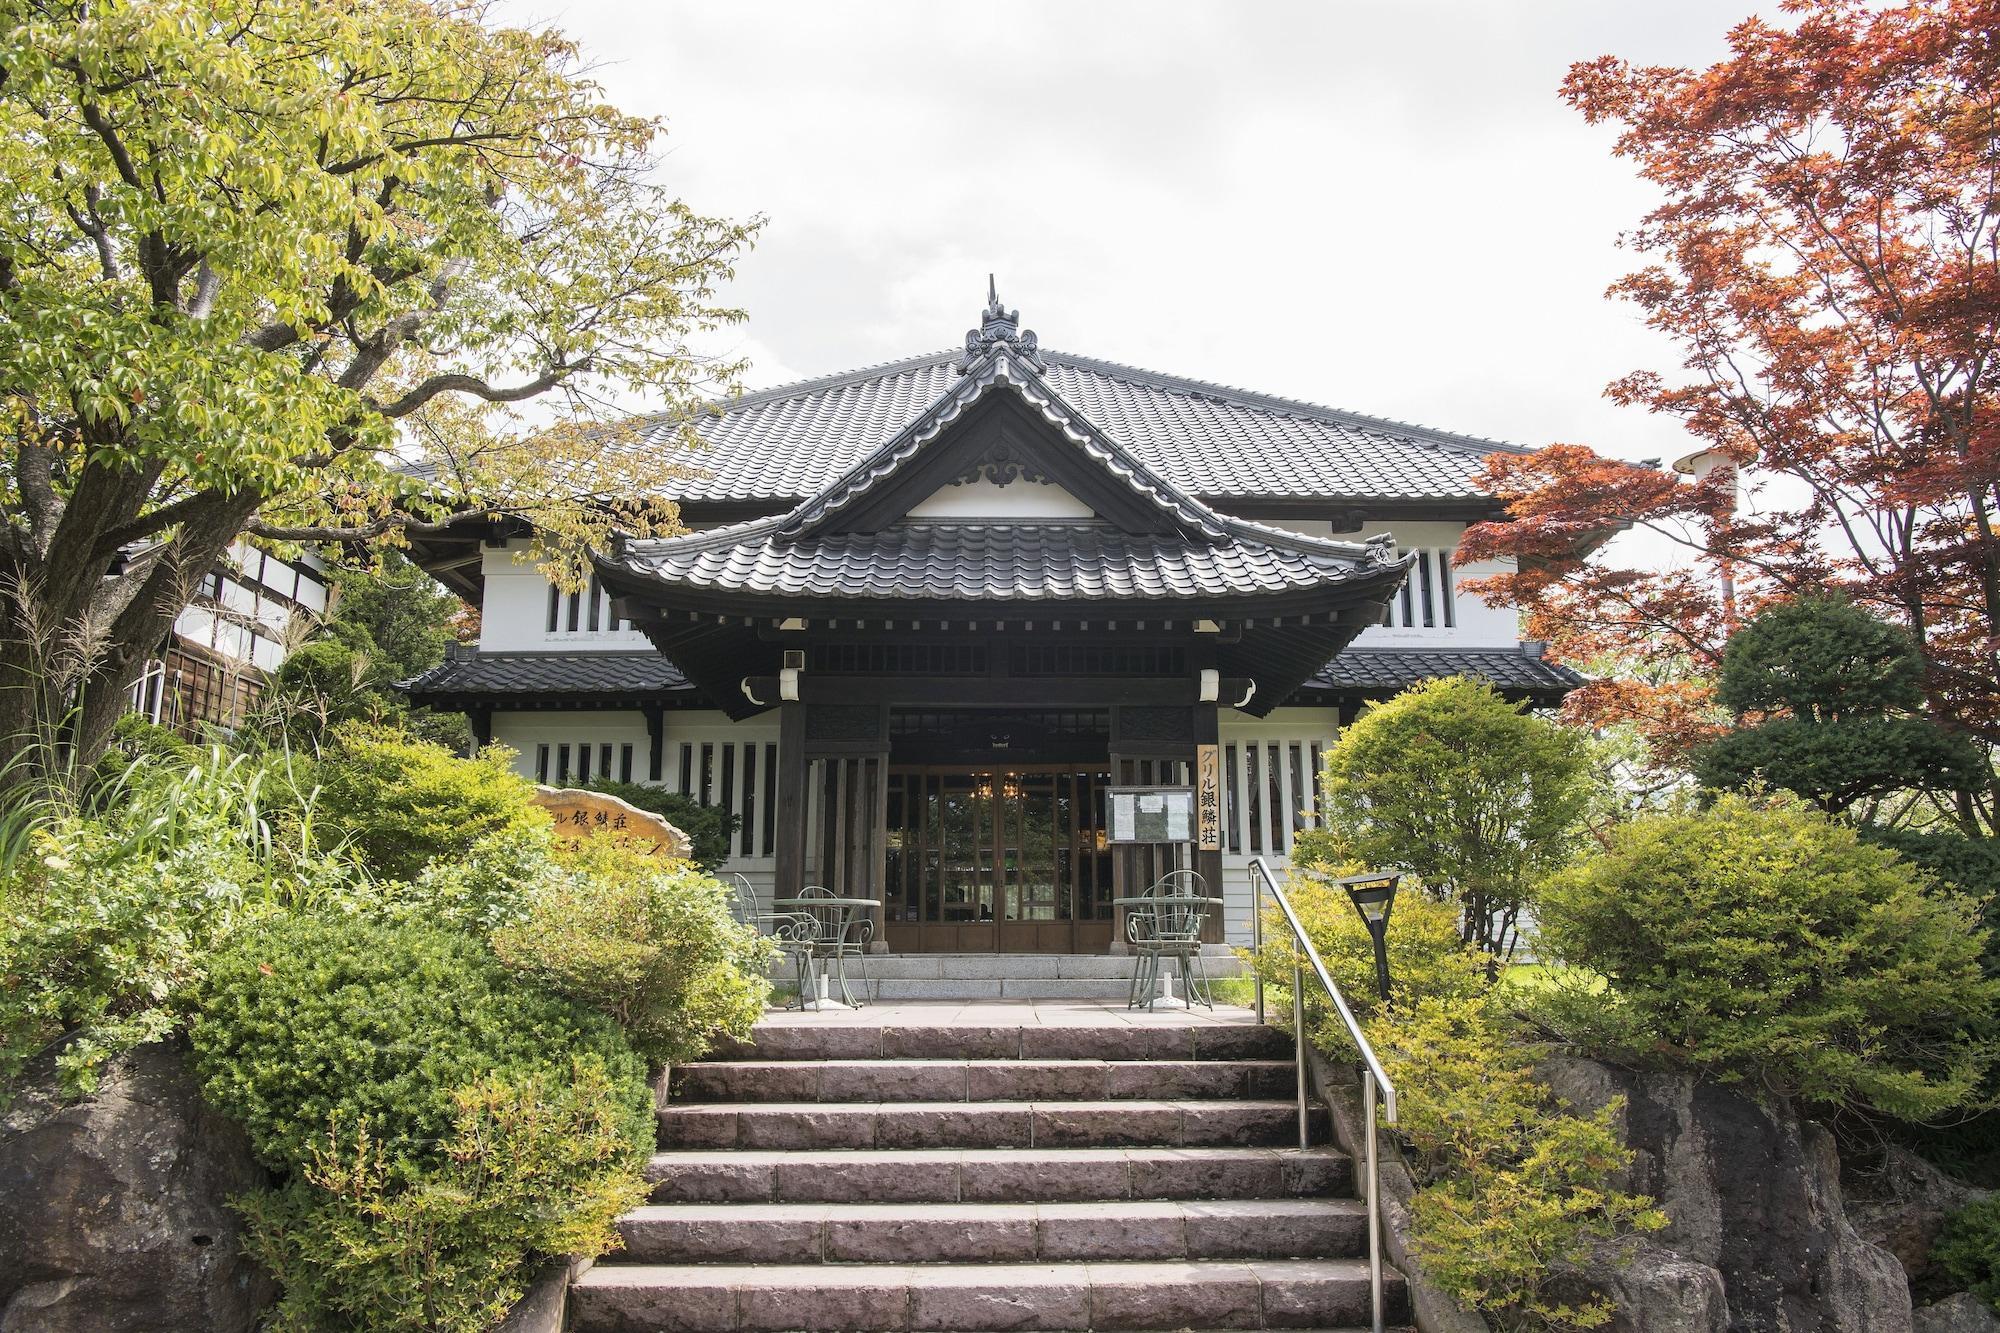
(481, 722)
(1121, 856)
(656, 741)
(791, 811)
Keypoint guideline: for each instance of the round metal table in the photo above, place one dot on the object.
(845, 914)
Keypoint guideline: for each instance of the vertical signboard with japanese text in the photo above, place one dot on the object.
(1208, 797)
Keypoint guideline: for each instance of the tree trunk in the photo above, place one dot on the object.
(77, 635)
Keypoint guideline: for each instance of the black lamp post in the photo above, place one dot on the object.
(1373, 896)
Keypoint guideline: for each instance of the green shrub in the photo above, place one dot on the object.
(1968, 1249)
(1427, 959)
(1768, 941)
(316, 1022)
(708, 827)
(486, 888)
(1466, 792)
(1514, 1189)
(651, 943)
(135, 738)
(403, 803)
(106, 920)
(1970, 865)
(533, 1167)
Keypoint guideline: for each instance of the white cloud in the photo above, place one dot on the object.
(1383, 206)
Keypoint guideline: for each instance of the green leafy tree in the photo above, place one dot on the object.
(1828, 702)
(1768, 942)
(1470, 794)
(394, 614)
(285, 268)
(385, 625)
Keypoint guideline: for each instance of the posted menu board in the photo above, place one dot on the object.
(1150, 814)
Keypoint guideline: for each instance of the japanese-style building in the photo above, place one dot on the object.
(929, 611)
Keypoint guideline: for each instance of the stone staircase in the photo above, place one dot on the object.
(888, 1170)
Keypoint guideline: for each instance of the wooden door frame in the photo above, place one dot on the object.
(1075, 930)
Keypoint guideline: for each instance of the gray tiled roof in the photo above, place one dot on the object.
(788, 443)
(570, 675)
(1384, 671)
(557, 677)
(1004, 365)
(1046, 561)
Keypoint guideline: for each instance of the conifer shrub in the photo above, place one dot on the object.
(1514, 1191)
(1968, 1249)
(649, 942)
(1427, 958)
(401, 803)
(539, 1165)
(1763, 940)
(311, 1025)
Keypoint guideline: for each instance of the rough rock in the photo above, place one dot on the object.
(1963, 1313)
(1900, 1203)
(112, 1212)
(1658, 1291)
(1753, 1192)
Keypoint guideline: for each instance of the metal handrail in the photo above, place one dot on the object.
(1372, 1075)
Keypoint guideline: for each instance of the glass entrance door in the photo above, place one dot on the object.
(1009, 860)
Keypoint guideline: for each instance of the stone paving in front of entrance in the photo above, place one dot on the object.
(1028, 1011)
(991, 977)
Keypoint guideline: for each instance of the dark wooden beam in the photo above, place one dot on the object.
(791, 812)
(983, 691)
(656, 741)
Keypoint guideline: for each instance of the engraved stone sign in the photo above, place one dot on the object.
(578, 814)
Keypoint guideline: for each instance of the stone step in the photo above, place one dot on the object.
(1274, 1293)
(971, 1175)
(1096, 1124)
(979, 1080)
(905, 1233)
(1156, 1036)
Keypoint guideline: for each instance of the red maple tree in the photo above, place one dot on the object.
(1827, 255)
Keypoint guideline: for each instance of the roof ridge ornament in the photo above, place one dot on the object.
(998, 325)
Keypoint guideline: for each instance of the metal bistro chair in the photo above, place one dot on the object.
(1168, 927)
(793, 932)
(844, 933)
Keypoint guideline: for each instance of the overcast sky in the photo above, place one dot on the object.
(1384, 206)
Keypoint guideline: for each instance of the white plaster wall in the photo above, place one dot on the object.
(515, 609)
(1285, 728)
(1479, 625)
(982, 498)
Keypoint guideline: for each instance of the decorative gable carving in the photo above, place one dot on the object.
(1001, 464)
